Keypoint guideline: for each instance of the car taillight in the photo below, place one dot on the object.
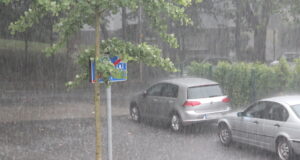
(226, 100)
(191, 103)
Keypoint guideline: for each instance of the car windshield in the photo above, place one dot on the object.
(296, 109)
(204, 91)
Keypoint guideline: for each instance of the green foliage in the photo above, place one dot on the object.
(19, 45)
(199, 69)
(127, 52)
(74, 14)
(246, 82)
(283, 74)
(295, 82)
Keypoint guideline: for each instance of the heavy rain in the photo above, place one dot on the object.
(149, 80)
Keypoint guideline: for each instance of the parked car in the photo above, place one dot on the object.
(272, 124)
(215, 60)
(210, 60)
(289, 57)
(180, 102)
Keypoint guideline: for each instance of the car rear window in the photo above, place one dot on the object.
(204, 92)
(296, 109)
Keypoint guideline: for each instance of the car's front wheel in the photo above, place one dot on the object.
(135, 113)
(176, 123)
(224, 134)
(284, 150)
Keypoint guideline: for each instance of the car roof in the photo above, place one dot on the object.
(190, 82)
(289, 99)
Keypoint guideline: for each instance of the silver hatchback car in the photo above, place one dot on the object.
(272, 124)
(180, 102)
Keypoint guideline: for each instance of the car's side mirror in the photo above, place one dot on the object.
(240, 114)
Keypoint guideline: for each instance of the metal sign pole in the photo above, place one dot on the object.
(94, 79)
(109, 122)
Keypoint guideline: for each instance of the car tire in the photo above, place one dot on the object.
(135, 113)
(224, 134)
(176, 122)
(284, 150)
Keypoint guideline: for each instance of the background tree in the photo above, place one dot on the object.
(252, 15)
(74, 14)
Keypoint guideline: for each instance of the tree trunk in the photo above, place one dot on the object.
(51, 33)
(25, 62)
(259, 25)
(124, 23)
(97, 91)
(181, 53)
(238, 31)
(26, 42)
(140, 38)
(104, 31)
(260, 35)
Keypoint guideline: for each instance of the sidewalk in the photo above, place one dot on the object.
(59, 111)
(30, 105)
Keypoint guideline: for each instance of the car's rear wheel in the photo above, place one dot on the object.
(225, 135)
(176, 123)
(284, 149)
(135, 113)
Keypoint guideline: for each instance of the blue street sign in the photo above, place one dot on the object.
(118, 65)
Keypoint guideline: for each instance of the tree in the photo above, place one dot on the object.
(257, 14)
(74, 14)
(253, 15)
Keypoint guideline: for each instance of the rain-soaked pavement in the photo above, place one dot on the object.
(73, 139)
(65, 131)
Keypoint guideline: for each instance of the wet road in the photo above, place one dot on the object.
(73, 139)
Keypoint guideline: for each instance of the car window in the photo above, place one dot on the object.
(215, 61)
(257, 110)
(170, 90)
(291, 57)
(277, 112)
(296, 109)
(204, 91)
(155, 90)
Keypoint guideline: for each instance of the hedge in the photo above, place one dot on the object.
(247, 82)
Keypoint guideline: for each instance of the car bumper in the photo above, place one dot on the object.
(190, 117)
(296, 146)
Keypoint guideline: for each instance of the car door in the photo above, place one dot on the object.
(275, 121)
(150, 100)
(167, 100)
(247, 127)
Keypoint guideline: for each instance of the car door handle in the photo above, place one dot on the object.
(276, 125)
(256, 122)
(155, 100)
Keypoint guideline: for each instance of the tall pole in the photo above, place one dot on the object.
(97, 91)
(274, 44)
(109, 122)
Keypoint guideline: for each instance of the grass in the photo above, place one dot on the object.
(19, 45)
(8, 44)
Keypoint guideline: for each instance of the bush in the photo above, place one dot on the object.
(247, 82)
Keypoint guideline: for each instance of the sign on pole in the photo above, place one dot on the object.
(118, 65)
(122, 77)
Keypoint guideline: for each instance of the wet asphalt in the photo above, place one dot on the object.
(53, 126)
(74, 139)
